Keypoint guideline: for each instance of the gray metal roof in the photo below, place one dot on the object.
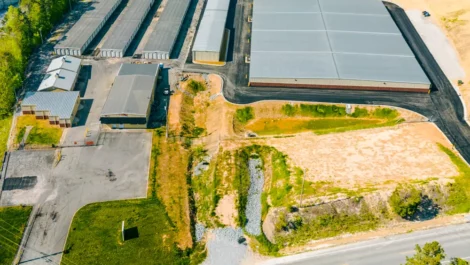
(130, 94)
(132, 90)
(345, 39)
(139, 69)
(61, 79)
(283, 6)
(212, 26)
(127, 24)
(168, 26)
(65, 62)
(90, 21)
(58, 104)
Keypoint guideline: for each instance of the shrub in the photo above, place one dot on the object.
(360, 112)
(195, 86)
(245, 114)
(405, 201)
(289, 110)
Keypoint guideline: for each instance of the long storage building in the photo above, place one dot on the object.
(127, 26)
(130, 100)
(337, 44)
(77, 39)
(211, 41)
(163, 38)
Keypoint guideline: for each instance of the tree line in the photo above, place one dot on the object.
(22, 31)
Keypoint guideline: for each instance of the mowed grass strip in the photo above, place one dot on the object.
(13, 221)
(5, 125)
(41, 134)
(168, 182)
(319, 126)
(95, 234)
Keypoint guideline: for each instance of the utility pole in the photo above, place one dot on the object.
(70, 5)
(40, 33)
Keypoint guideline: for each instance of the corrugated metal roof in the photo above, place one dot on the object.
(212, 26)
(290, 41)
(61, 79)
(90, 21)
(139, 69)
(127, 24)
(353, 7)
(360, 23)
(132, 90)
(58, 104)
(288, 21)
(164, 35)
(362, 41)
(379, 68)
(283, 6)
(292, 65)
(65, 62)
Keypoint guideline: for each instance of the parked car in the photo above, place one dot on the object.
(426, 14)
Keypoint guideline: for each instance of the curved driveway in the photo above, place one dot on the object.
(442, 106)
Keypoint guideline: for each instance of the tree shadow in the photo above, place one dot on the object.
(427, 210)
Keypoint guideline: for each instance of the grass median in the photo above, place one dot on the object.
(13, 221)
(42, 133)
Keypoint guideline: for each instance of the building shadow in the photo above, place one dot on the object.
(230, 25)
(83, 113)
(83, 78)
(179, 43)
(161, 101)
(131, 233)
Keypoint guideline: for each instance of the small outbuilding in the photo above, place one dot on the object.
(59, 80)
(130, 100)
(68, 63)
(59, 108)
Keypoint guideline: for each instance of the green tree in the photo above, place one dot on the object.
(458, 261)
(405, 201)
(430, 254)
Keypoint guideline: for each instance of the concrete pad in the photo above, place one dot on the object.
(80, 178)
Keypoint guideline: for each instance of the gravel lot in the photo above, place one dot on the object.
(223, 247)
(253, 207)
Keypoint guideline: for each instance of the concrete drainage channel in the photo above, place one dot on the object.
(253, 206)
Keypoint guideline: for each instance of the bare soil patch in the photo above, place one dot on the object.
(226, 211)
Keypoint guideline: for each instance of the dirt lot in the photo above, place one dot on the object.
(81, 177)
(452, 16)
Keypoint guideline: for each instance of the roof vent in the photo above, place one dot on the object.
(57, 75)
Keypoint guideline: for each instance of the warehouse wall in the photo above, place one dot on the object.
(200, 56)
(341, 84)
(156, 55)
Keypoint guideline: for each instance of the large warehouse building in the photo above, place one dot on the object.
(211, 41)
(126, 27)
(130, 100)
(331, 44)
(77, 39)
(163, 38)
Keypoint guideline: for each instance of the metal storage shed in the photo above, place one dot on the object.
(59, 80)
(77, 39)
(65, 62)
(163, 37)
(211, 36)
(129, 103)
(126, 28)
(331, 44)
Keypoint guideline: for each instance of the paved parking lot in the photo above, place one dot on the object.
(116, 170)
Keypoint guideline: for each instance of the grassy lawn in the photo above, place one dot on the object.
(5, 125)
(41, 134)
(95, 234)
(320, 119)
(168, 183)
(13, 221)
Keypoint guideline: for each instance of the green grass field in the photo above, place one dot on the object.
(95, 234)
(13, 221)
(5, 125)
(42, 132)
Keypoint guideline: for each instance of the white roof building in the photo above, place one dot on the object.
(58, 80)
(65, 62)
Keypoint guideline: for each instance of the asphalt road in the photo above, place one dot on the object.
(442, 106)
